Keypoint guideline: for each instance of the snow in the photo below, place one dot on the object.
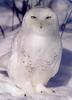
(62, 82)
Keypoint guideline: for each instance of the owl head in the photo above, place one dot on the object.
(40, 21)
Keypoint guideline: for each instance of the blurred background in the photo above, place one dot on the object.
(13, 11)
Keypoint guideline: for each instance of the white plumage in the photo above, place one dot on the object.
(36, 51)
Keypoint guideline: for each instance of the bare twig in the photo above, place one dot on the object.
(63, 26)
(2, 31)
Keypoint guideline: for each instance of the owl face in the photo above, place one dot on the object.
(41, 20)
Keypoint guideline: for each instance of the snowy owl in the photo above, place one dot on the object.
(36, 52)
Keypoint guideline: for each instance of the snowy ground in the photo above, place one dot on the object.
(62, 82)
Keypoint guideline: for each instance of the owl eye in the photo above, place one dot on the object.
(48, 17)
(33, 17)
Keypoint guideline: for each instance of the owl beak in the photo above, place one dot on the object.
(40, 25)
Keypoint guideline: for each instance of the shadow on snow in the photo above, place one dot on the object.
(65, 71)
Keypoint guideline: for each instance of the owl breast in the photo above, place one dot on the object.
(39, 52)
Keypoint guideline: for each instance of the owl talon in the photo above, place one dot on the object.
(41, 91)
(53, 91)
(25, 95)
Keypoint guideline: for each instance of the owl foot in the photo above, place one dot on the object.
(42, 89)
(25, 94)
(14, 91)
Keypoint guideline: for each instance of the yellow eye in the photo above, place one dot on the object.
(48, 17)
(33, 17)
